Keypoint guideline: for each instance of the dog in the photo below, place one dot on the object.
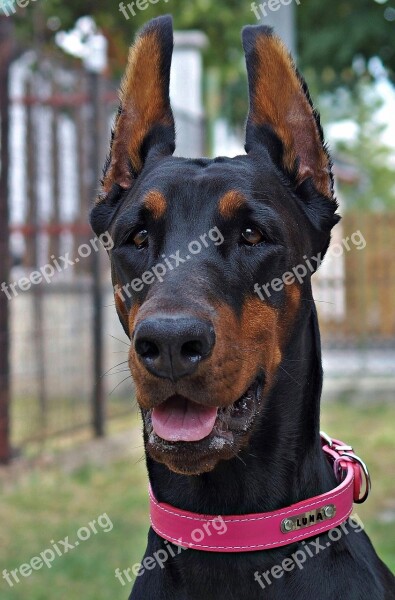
(228, 370)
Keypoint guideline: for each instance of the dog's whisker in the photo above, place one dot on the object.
(315, 301)
(290, 376)
(125, 362)
(120, 383)
(296, 360)
(116, 372)
(119, 340)
(236, 455)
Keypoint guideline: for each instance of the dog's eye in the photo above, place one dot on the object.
(140, 239)
(252, 236)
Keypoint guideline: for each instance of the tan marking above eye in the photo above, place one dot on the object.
(155, 203)
(230, 203)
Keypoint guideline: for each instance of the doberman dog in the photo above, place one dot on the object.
(228, 380)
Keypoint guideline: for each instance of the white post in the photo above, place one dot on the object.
(186, 92)
(282, 18)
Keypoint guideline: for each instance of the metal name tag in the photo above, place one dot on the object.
(308, 519)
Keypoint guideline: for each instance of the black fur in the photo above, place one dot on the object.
(283, 462)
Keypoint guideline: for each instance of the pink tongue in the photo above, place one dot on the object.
(179, 420)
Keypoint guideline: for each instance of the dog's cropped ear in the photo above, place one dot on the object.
(145, 120)
(280, 104)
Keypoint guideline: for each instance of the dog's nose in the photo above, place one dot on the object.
(173, 347)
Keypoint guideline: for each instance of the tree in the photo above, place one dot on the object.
(332, 34)
(375, 186)
(220, 21)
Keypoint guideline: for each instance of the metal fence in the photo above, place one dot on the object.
(67, 367)
(52, 290)
(53, 327)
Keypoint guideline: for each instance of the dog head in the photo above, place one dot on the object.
(211, 258)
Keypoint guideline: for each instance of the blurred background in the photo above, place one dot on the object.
(70, 440)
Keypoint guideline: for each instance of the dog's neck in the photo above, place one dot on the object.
(283, 462)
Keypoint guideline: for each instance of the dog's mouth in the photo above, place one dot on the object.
(181, 420)
(191, 438)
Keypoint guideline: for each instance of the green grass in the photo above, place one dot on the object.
(370, 429)
(51, 507)
(48, 505)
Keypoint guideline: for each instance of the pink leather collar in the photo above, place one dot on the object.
(262, 531)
